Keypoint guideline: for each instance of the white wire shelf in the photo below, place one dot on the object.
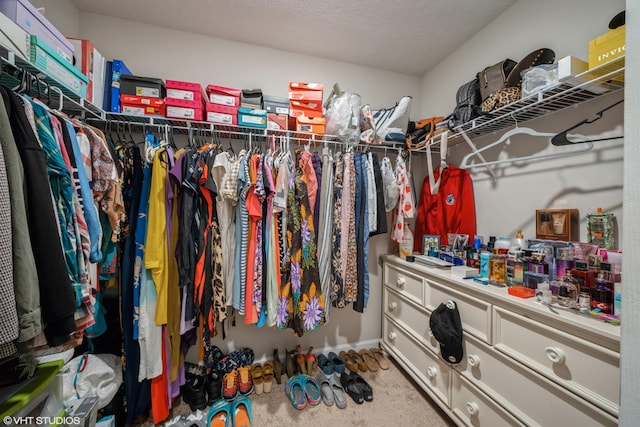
(605, 79)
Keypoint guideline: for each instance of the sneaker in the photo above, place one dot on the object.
(230, 383)
(196, 392)
(214, 386)
(246, 381)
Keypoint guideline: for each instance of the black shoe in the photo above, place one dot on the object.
(196, 387)
(214, 387)
(185, 390)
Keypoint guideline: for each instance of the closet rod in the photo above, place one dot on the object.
(28, 83)
(238, 133)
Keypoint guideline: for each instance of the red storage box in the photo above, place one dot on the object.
(142, 105)
(222, 114)
(224, 95)
(184, 109)
(192, 94)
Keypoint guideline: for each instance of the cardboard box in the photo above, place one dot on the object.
(310, 124)
(56, 67)
(142, 105)
(277, 121)
(23, 13)
(275, 104)
(306, 86)
(251, 98)
(223, 114)
(304, 108)
(183, 109)
(224, 95)
(190, 93)
(13, 36)
(142, 86)
(118, 69)
(83, 61)
(607, 47)
(99, 73)
(252, 117)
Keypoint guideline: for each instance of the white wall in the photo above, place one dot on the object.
(584, 181)
(169, 54)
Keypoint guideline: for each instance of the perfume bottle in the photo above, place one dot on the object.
(515, 272)
(497, 268)
(538, 264)
(526, 258)
(583, 276)
(568, 292)
(520, 242)
(484, 263)
(564, 261)
(602, 296)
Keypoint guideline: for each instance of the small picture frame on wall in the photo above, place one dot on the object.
(430, 241)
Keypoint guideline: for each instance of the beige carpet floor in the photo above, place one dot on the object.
(397, 401)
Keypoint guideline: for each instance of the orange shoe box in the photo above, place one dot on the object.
(310, 124)
(142, 105)
(277, 121)
(305, 108)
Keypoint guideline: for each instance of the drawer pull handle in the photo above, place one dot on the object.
(432, 372)
(392, 305)
(555, 355)
(400, 282)
(474, 361)
(392, 335)
(472, 408)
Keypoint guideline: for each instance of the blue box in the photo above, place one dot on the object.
(252, 117)
(57, 68)
(118, 68)
(106, 96)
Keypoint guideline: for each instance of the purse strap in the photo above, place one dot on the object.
(434, 185)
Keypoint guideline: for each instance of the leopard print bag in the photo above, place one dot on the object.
(500, 98)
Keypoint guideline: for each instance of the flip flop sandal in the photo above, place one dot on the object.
(351, 388)
(241, 412)
(338, 364)
(325, 389)
(219, 414)
(293, 389)
(369, 360)
(311, 389)
(380, 358)
(365, 388)
(362, 365)
(351, 364)
(267, 376)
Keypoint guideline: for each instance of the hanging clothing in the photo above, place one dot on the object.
(337, 276)
(350, 262)
(450, 210)
(406, 208)
(381, 214)
(325, 232)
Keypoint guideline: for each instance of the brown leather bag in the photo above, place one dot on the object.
(494, 78)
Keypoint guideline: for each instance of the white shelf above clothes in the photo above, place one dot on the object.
(603, 80)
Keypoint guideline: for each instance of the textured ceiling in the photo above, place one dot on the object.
(406, 36)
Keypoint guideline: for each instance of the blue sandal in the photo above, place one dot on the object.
(241, 412)
(295, 391)
(219, 415)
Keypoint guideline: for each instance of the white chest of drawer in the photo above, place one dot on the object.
(589, 370)
(407, 284)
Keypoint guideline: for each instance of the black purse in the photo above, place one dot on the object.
(468, 101)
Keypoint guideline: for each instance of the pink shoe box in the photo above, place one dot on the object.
(184, 109)
(222, 114)
(224, 95)
(189, 93)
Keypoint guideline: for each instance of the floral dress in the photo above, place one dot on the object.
(301, 304)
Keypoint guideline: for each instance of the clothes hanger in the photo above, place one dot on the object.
(561, 138)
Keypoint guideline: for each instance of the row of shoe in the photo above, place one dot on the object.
(364, 360)
(295, 362)
(201, 389)
(235, 413)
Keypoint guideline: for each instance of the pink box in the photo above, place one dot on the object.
(185, 91)
(184, 109)
(224, 95)
(223, 114)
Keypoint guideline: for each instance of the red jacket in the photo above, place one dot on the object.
(451, 210)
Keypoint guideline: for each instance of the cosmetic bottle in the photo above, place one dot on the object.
(543, 293)
(515, 273)
(484, 263)
(564, 261)
(538, 264)
(602, 296)
(584, 302)
(497, 268)
(525, 256)
(583, 276)
(568, 292)
(519, 241)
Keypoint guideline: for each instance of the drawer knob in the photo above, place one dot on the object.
(472, 408)
(432, 372)
(400, 282)
(392, 335)
(555, 355)
(474, 361)
(392, 305)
